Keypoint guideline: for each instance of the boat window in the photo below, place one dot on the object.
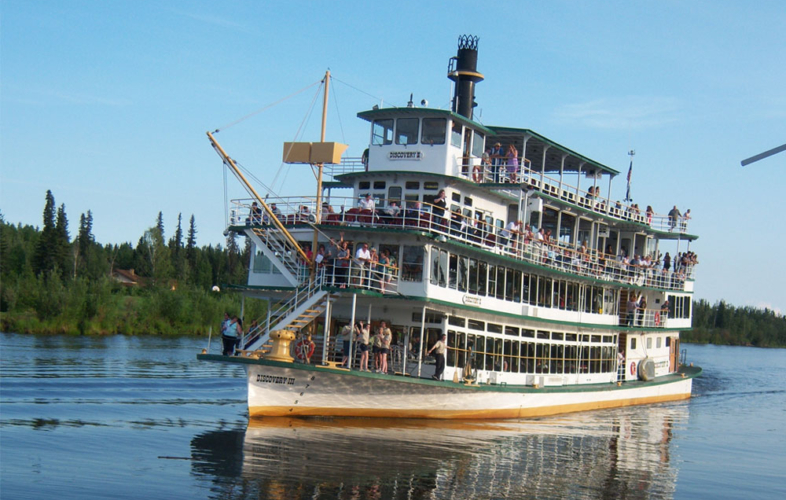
(543, 335)
(557, 352)
(379, 184)
(528, 333)
(364, 185)
(412, 185)
(443, 268)
(482, 277)
(473, 324)
(434, 131)
(596, 338)
(493, 328)
(457, 321)
(566, 229)
(658, 342)
(455, 134)
(571, 359)
(468, 201)
(453, 271)
(632, 343)
(407, 131)
(394, 194)
(649, 342)
(542, 358)
(525, 289)
(512, 330)
(477, 144)
(500, 282)
(382, 132)
(571, 337)
(456, 197)
(412, 263)
(607, 339)
(430, 185)
(411, 199)
(511, 361)
(473, 276)
(463, 264)
(492, 281)
(434, 279)
(556, 336)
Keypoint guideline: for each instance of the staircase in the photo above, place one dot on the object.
(281, 251)
(303, 306)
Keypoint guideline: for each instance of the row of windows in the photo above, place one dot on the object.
(476, 277)
(432, 132)
(679, 307)
(513, 356)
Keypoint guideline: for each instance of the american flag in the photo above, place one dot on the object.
(630, 170)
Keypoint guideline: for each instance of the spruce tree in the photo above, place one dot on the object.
(45, 250)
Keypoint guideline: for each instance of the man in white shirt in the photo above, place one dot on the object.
(368, 203)
(362, 258)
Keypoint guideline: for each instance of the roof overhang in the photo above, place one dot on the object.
(382, 113)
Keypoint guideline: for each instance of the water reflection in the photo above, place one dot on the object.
(608, 454)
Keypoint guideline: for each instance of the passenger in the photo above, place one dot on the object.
(326, 208)
(496, 161)
(649, 213)
(275, 210)
(343, 258)
(441, 346)
(415, 212)
(360, 264)
(362, 339)
(346, 338)
(440, 203)
(255, 215)
(368, 203)
(376, 342)
(382, 272)
(632, 307)
(373, 278)
(674, 216)
(384, 349)
(319, 259)
(684, 222)
(512, 162)
(230, 337)
(392, 211)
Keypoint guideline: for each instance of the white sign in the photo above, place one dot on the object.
(405, 155)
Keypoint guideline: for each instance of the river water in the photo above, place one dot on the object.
(138, 417)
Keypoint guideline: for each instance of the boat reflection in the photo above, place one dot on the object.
(606, 454)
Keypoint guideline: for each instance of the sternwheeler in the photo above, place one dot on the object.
(496, 245)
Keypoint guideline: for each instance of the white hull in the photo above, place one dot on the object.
(280, 389)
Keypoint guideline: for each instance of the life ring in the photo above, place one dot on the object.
(304, 349)
(633, 368)
(657, 318)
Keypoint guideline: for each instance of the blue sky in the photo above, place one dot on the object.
(107, 103)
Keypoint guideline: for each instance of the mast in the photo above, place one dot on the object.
(320, 166)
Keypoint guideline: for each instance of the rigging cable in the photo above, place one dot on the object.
(266, 107)
(338, 114)
(300, 129)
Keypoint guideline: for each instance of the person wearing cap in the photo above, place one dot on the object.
(441, 347)
(497, 155)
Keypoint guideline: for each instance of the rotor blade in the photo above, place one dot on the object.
(763, 155)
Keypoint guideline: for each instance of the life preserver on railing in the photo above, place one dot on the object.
(304, 348)
(657, 318)
(633, 368)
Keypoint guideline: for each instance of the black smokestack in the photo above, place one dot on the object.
(463, 69)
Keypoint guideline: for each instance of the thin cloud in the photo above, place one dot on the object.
(214, 20)
(624, 113)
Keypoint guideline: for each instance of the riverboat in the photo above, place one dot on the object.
(551, 297)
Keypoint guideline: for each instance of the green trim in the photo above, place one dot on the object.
(689, 372)
(374, 114)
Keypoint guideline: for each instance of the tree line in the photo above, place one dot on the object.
(724, 324)
(52, 283)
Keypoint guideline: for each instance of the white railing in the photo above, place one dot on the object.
(299, 298)
(477, 233)
(475, 170)
(644, 318)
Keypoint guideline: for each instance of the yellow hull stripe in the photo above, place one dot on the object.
(314, 411)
